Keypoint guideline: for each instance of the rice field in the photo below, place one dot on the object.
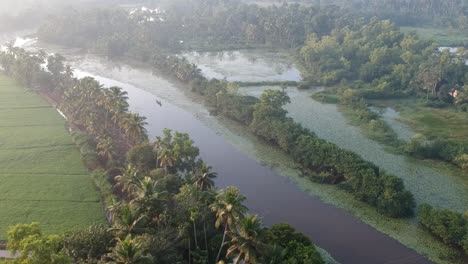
(42, 178)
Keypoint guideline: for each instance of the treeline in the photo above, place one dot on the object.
(382, 62)
(162, 205)
(449, 226)
(187, 24)
(415, 12)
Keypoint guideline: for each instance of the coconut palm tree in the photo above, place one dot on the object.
(129, 251)
(166, 159)
(129, 220)
(229, 210)
(128, 181)
(134, 127)
(148, 195)
(116, 103)
(245, 243)
(203, 177)
(105, 148)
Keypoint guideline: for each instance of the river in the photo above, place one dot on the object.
(236, 156)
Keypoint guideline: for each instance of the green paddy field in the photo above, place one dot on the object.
(42, 178)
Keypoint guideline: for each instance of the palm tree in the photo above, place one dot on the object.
(147, 195)
(204, 177)
(245, 244)
(116, 103)
(128, 181)
(129, 251)
(134, 126)
(120, 96)
(166, 159)
(105, 148)
(129, 220)
(229, 210)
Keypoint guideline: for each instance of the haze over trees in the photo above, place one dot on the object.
(160, 192)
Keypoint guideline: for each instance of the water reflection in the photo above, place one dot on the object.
(246, 65)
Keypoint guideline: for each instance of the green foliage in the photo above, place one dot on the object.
(282, 234)
(462, 161)
(106, 190)
(87, 148)
(129, 250)
(449, 226)
(33, 248)
(87, 245)
(239, 108)
(141, 157)
(287, 246)
(115, 33)
(176, 152)
(298, 253)
(378, 59)
(447, 150)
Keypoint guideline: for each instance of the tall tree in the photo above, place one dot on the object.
(229, 210)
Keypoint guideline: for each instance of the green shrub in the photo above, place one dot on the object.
(449, 226)
(462, 161)
(141, 157)
(87, 245)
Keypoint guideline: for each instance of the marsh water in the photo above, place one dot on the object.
(246, 65)
(437, 187)
(244, 162)
(391, 117)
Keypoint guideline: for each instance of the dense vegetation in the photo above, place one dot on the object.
(383, 62)
(186, 24)
(447, 13)
(449, 226)
(376, 61)
(163, 207)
